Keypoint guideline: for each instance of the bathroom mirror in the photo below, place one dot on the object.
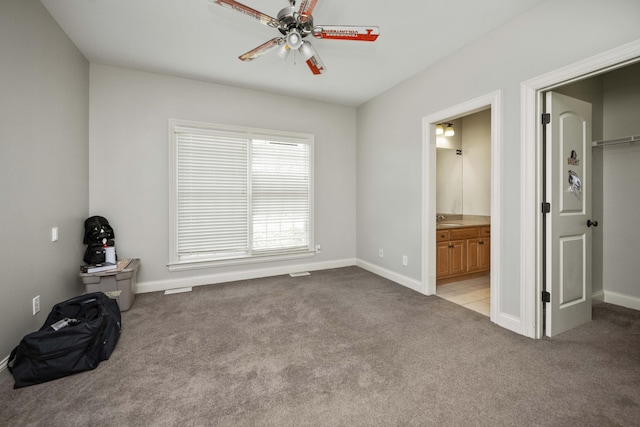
(448, 181)
(449, 173)
(463, 167)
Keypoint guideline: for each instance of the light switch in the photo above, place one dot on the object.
(54, 234)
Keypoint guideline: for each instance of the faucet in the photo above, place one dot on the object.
(439, 218)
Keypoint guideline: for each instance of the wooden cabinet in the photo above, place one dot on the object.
(462, 251)
(451, 258)
(478, 251)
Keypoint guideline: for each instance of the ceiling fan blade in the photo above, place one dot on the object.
(306, 9)
(346, 32)
(262, 49)
(311, 57)
(246, 10)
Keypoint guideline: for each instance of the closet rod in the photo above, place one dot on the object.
(624, 140)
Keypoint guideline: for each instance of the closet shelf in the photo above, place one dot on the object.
(623, 140)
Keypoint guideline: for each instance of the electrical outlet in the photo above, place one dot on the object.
(318, 248)
(380, 253)
(54, 234)
(405, 260)
(36, 304)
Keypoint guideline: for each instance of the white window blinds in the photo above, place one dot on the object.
(240, 194)
(280, 195)
(212, 195)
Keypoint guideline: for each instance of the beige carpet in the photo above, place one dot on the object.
(339, 348)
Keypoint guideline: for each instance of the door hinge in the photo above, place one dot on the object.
(546, 296)
(546, 207)
(546, 118)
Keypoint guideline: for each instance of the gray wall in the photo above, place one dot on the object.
(44, 117)
(129, 164)
(552, 35)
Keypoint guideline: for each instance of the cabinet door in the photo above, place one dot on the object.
(478, 254)
(474, 248)
(442, 260)
(458, 257)
(484, 254)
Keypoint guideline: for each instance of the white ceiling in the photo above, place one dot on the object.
(199, 40)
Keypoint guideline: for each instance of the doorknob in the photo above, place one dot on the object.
(592, 223)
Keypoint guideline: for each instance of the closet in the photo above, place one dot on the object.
(615, 97)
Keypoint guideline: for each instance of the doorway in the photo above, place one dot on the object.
(490, 103)
(463, 212)
(568, 80)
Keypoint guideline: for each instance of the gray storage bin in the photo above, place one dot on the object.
(116, 284)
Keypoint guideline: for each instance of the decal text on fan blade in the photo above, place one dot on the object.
(246, 10)
(335, 32)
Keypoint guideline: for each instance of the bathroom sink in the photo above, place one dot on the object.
(448, 224)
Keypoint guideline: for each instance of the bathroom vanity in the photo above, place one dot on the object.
(463, 250)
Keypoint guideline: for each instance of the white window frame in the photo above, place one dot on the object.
(177, 264)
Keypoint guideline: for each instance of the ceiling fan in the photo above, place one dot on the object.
(294, 27)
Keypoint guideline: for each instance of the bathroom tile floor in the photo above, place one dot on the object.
(473, 294)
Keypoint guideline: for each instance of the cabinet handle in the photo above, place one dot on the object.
(481, 242)
(450, 246)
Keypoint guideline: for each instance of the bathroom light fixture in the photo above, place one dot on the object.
(449, 130)
(446, 132)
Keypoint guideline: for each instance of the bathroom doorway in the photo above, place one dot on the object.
(446, 219)
(463, 211)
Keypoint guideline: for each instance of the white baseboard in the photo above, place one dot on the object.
(597, 297)
(627, 301)
(410, 283)
(211, 279)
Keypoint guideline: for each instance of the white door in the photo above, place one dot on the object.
(568, 226)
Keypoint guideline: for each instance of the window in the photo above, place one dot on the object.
(238, 195)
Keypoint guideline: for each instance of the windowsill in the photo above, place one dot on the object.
(194, 265)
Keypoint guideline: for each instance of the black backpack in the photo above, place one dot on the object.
(96, 229)
(78, 334)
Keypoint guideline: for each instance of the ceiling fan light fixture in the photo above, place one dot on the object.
(283, 51)
(306, 50)
(294, 39)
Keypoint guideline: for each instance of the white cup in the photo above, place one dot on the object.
(110, 254)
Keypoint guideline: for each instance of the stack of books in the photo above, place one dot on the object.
(104, 267)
